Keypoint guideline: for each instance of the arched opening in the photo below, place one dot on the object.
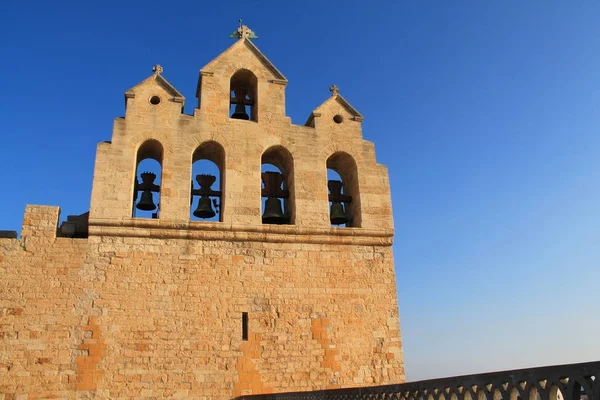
(277, 177)
(342, 184)
(242, 89)
(555, 393)
(514, 394)
(148, 174)
(208, 166)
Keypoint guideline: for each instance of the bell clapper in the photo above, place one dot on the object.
(217, 206)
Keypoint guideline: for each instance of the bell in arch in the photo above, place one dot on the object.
(273, 212)
(146, 202)
(337, 214)
(147, 186)
(204, 209)
(241, 92)
(272, 191)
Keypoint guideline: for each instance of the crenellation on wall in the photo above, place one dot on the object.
(40, 222)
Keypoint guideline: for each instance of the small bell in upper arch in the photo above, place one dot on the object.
(240, 112)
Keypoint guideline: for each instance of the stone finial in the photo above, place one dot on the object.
(158, 69)
(243, 32)
(334, 90)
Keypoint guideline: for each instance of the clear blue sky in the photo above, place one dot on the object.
(487, 114)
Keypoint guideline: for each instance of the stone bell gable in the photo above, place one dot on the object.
(226, 252)
(245, 60)
(156, 127)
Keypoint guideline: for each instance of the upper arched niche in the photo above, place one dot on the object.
(243, 95)
(344, 197)
(208, 181)
(277, 188)
(152, 149)
(211, 151)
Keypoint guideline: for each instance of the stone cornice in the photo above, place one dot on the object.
(149, 228)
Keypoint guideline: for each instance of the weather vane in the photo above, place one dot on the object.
(158, 69)
(243, 32)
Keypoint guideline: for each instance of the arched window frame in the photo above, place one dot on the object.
(281, 158)
(149, 149)
(345, 166)
(214, 152)
(245, 81)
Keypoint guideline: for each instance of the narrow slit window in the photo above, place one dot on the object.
(244, 326)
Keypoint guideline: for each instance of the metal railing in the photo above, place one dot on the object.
(558, 382)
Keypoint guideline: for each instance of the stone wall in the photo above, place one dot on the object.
(120, 316)
(43, 306)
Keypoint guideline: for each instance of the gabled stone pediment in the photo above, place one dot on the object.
(334, 101)
(240, 50)
(158, 79)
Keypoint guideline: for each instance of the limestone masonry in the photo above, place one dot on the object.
(116, 305)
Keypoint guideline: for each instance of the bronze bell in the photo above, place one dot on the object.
(204, 209)
(337, 214)
(273, 213)
(240, 112)
(146, 202)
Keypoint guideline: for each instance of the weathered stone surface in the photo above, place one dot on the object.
(153, 308)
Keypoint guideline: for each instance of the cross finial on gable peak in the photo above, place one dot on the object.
(243, 32)
(157, 69)
(334, 89)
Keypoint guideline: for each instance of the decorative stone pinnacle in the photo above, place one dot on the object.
(334, 90)
(158, 69)
(243, 32)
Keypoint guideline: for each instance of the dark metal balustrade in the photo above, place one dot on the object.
(568, 382)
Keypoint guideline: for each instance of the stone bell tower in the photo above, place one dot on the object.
(254, 256)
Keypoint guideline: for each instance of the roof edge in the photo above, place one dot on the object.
(280, 78)
(356, 116)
